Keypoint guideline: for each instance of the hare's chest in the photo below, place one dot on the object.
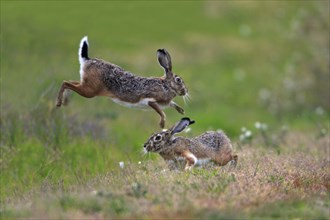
(142, 103)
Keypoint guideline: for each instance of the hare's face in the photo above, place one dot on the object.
(156, 142)
(178, 85)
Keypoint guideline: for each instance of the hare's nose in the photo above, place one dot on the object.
(145, 145)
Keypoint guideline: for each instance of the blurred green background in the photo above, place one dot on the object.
(242, 61)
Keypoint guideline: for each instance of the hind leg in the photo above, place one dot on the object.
(190, 158)
(224, 158)
(65, 85)
(84, 90)
(67, 94)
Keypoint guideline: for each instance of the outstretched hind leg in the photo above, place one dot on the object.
(82, 89)
(62, 92)
(67, 93)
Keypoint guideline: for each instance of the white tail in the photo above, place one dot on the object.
(83, 54)
(83, 50)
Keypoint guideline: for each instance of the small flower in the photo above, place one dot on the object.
(261, 126)
(139, 162)
(242, 137)
(319, 111)
(248, 134)
(257, 125)
(121, 164)
(264, 127)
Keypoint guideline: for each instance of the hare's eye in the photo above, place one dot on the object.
(158, 137)
(178, 80)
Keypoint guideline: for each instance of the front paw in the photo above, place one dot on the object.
(58, 103)
(188, 168)
(180, 110)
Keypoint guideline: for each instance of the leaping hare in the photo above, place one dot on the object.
(211, 145)
(101, 78)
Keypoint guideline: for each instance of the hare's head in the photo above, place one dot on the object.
(157, 141)
(163, 139)
(176, 82)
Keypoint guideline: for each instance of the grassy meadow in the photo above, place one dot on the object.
(257, 70)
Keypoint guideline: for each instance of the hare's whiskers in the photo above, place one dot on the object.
(186, 98)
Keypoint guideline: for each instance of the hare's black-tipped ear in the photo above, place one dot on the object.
(181, 125)
(164, 60)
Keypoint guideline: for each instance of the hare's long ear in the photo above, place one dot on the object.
(181, 125)
(164, 60)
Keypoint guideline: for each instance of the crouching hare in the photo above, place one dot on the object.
(101, 78)
(211, 145)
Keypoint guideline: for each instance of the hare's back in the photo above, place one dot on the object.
(103, 67)
(214, 139)
(124, 85)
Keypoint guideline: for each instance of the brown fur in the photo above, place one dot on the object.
(101, 78)
(213, 145)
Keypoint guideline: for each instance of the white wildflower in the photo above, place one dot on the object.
(264, 126)
(248, 134)
(242, 137)
(261, 126)
(257, 125)
(319, 110)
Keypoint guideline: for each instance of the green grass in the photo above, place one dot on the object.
(264, 185)
(243, 62)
